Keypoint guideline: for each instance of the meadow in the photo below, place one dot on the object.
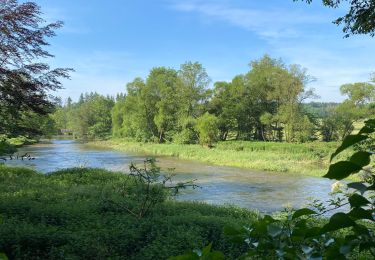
(301, 159)
(80, 214)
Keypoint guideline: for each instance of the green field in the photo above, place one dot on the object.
(79, 214)
(304, 159)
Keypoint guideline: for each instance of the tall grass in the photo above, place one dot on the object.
(304, 159)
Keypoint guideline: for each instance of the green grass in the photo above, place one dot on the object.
(303, 159)
(77, 214)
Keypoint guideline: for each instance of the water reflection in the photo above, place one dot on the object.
(220, 185)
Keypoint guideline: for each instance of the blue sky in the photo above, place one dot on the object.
(109, 43)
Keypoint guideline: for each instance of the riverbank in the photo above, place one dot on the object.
(83, 214)
(10, 145)
(309, 159)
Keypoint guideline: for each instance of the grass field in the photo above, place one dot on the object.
(305, 159)
(79, 214)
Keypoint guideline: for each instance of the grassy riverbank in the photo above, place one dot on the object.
(305, 159)
(80, 214)
(9, 145)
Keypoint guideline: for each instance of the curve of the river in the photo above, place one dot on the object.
(265, 191)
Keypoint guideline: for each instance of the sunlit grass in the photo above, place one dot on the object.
(304, 159)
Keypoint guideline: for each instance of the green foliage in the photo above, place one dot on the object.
(89, 118)
(26, 82)
(207, 127)
(358, 19)
(6, 147)
(81, 214)
(298, 234)
(205, 254)
(302, 159)
(163, 107)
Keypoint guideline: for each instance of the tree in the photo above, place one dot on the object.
(207, 127)
(25, 82)
(360, 18)
(194, 83)
(162, 84)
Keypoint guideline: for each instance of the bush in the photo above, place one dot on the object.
(186, 136)
(81, 214)
(207, 127)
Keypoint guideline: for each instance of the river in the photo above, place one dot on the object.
(264, 191)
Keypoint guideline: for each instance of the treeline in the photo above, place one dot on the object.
(266, 103)
(89, 118)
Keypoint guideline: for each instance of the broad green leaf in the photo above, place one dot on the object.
(303, 212)
(235, 234)
(368, 128)
(360, 213)
(359, 186)
(274, 230)
(341, 170)
(307, 249)
(338, 221)
(3, 256)
(360, 229)
(357, 201)
(361, 158)
(313, 232)
(268, 219)
(347, 142)
(206, 250)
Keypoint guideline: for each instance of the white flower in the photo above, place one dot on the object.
(337, 187)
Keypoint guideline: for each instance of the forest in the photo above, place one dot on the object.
(268, 103)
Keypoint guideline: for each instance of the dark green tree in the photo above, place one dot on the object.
(25, 82)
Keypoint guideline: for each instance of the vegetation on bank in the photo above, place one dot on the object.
(82, 213)
(94, 213)
(305, 159)
(179, 106)
(9, 145)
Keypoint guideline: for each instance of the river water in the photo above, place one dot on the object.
(264, 191)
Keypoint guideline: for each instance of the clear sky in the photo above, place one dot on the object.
(111, 42)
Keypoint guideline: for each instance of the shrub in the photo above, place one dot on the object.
(207, 127)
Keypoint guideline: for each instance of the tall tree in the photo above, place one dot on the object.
(25, 81)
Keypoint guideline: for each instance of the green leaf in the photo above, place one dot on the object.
(3, 256)
(357, 201)
(235, 234)
(361, 229)
(338, 221)
(206, 250)
(313, 232)
(360, 213)
(268, 219)
(273, 230)
(369, 127)
(303, 212)
(306, 249)
(361, 158)
(347, 142)
(341, 170)
(359, 186)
